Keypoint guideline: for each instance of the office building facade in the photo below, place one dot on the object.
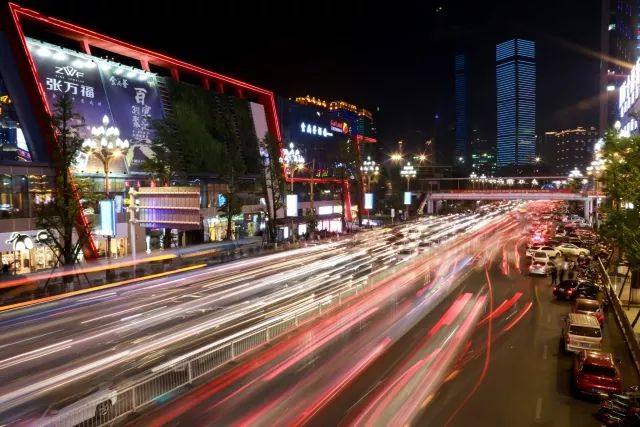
(620, 50)
(516, 102)
(461, 109)
(565, 150)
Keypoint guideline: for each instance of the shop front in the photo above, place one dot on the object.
(22, 254)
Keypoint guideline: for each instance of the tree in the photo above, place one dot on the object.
(60, 214)
(167, 163)
(232, 167)
(621, 212)
(274, 181)
(346, 165)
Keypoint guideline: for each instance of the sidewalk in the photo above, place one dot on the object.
(46, 283)
(631, 309)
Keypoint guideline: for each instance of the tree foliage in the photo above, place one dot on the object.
(274, 181)
(621, 223)
(59, 215)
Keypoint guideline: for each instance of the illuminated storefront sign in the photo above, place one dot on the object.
(315, 130)
(629, 90)
(107, 218)
(339, 126)
(292, 205)
(368, 201)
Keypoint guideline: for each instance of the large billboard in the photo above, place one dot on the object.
(127, 96)
(317, 135)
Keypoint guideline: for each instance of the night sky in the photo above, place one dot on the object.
(395, 60)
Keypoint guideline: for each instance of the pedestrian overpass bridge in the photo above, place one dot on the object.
(432, 200)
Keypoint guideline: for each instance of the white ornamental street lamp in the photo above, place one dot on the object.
(369, 168)
(292, 161)
(408, 172)
(106, 145)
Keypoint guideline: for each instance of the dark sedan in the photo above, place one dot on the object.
(572, 289)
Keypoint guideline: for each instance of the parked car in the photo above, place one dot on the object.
(571, 289)
(542, 267)
(581, 332)
(549, 250)
(589, 306)
(572, 249)
(96, 403)
(540, 256)
(596, 373)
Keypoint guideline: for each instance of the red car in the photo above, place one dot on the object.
(595, 373)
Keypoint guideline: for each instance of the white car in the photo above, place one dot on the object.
(541, 267)
(571, 249)
(540, 256)
(550, 251)
(96, 403)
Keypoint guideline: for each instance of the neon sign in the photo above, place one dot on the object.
(314, 130)
(629, 90)
(339, 126)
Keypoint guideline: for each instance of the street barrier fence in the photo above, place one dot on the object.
(621, 316)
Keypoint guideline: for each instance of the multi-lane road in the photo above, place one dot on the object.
(55, 350)
(457, 330)
(474, 343)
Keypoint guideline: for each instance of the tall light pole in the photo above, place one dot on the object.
(473, 178)
(292, 161)
(369, 168)
(408, 172)
(106, 145)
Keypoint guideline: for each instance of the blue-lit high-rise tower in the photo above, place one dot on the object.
(462, 134)
(516, 99)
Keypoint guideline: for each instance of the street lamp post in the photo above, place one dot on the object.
(292, 161)
(369, 168)
(473, 178)
(106, 145)
(408, 172)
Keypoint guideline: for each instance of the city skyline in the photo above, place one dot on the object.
(402, 71)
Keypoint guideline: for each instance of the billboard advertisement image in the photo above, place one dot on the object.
(128, 97)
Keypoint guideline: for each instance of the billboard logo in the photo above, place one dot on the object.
(340, 126)
(69, 71)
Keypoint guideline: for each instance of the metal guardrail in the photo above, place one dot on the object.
(122, 402)
(623, 320)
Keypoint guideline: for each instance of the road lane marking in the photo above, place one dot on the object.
(538, 408)
(544, 352)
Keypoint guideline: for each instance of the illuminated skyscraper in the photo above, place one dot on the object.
(462, 136)
(516, 100)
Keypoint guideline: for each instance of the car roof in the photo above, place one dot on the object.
(599, 358)
(583, 320)
(587, 301)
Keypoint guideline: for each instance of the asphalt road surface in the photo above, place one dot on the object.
(346, 370)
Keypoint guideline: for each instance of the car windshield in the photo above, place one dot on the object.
(405, 252)
(540, 255)
(600, 371)
(585, 331)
